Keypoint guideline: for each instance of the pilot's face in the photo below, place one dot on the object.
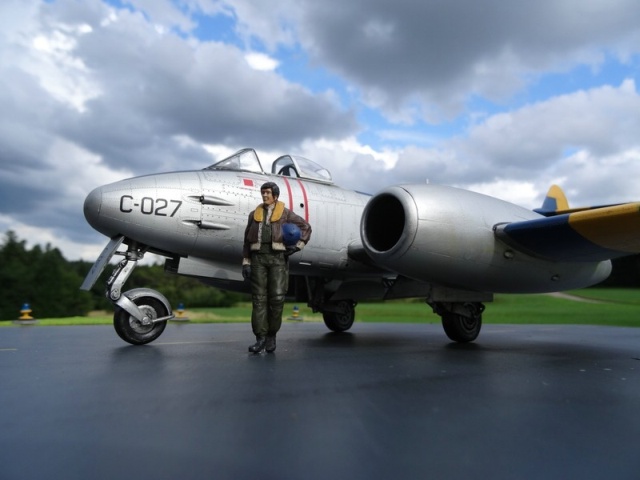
(267, 196)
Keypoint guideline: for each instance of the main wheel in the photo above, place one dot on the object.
(460, 328)
(132, 330)
(341, 318)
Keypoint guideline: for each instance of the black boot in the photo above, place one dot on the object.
(258, 346)
(270, 344)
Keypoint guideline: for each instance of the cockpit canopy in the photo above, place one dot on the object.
(246, 160)
(296, 166)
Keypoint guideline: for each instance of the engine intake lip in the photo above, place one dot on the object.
(389, 223)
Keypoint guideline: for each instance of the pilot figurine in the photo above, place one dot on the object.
(268, 242)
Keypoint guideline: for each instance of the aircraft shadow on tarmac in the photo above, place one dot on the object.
(539, 344)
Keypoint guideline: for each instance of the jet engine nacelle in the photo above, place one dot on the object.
(444, 235)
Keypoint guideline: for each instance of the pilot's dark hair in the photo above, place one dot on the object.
(274, 188)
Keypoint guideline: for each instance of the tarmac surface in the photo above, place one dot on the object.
(381, 401)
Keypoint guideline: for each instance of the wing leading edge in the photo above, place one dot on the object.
(594, 234)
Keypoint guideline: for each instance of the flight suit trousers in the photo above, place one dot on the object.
(269, 284)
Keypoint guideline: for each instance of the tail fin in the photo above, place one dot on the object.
(555, 202)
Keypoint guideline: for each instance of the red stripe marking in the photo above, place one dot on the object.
(306, 206)
(286, 182)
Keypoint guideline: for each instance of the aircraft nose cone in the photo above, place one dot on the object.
(92, 206)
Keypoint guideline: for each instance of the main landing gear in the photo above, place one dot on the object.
(461, 321)
(460, 311)
(339, 316)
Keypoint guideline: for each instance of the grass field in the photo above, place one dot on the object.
(594, 306)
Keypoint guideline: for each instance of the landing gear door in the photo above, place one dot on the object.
(101, 262)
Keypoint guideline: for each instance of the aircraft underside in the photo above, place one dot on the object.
(141, 314)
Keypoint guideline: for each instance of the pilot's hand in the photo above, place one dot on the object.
(290, 251)
(246, 272)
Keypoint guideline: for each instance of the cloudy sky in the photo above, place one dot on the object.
(500, 97)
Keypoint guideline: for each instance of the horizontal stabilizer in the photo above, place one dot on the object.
(588, 235)
(555, 203)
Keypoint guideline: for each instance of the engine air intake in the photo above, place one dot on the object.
(384, 221)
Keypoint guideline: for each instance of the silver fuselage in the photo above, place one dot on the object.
(202, 215)
(426, 233)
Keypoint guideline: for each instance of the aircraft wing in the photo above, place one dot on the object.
(589, 235)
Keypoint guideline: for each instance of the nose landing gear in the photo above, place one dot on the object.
(140, 314)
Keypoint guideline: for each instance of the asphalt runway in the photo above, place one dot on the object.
(382, 401)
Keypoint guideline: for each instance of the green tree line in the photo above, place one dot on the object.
(50, 284)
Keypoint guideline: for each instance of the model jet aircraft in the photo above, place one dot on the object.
(452, 247)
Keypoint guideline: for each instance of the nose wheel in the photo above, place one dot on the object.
(140, 331)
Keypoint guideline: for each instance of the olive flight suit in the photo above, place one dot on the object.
(269, 285)
(264, 250)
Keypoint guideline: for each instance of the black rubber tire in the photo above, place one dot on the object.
(342, 320)
(460, 328)
(131, 330)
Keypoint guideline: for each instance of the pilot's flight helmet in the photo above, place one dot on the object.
(274, 188)
(290, 234)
